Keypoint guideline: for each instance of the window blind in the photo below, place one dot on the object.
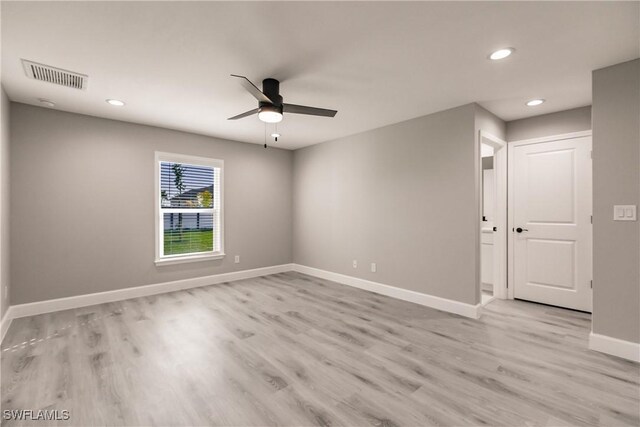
(190, 208)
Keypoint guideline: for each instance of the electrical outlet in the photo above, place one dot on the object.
(355, 263)
(374, 267)
(237, 259)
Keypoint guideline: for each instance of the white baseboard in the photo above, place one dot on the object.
(615, 347)
(48, 306)
(602, 343)
(5, 323)
(484, 300)
(443, 304)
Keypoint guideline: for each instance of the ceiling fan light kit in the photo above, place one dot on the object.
(270, 113)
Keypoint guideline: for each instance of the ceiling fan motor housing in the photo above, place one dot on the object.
(271, 88)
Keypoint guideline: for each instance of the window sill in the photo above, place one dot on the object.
(191, 258)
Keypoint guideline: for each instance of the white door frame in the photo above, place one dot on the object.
(500, 220)
(510, 252)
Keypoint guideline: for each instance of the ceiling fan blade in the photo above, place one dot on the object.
(246, 114)
(312, 111)
(252, 89)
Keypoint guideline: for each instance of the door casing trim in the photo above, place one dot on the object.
(550, 138)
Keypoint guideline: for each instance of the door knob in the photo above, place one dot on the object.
(520, 230)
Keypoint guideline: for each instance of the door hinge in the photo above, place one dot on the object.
(591, 153)
(591, 284)
(591, 219)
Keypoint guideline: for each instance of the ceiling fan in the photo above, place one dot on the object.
(270, 105)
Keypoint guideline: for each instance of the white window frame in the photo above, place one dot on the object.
(160, 258)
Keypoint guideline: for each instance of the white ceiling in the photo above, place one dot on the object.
(376, 62)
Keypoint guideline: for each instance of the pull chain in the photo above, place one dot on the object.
(265, 135)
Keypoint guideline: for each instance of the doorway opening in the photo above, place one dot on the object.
(493, 224)
(535, 233)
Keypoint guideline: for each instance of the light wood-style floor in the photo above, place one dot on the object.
(289, 349)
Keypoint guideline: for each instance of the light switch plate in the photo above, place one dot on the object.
(624, 213)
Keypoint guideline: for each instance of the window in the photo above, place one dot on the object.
(189, 212)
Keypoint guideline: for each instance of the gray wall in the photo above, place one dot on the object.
(489, 122)
(82, 204)
(403, 196)
(575, 120)
(616, 180)
(4, 202)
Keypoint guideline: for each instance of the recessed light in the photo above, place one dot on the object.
(115, 102)
(275, 135)
(535, 102)
(501, 53)
(47, 103)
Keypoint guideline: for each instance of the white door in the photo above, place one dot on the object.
(552, 222)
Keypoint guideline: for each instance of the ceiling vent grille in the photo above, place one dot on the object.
(46, 73)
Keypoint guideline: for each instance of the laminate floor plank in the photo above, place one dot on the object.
(293, 350)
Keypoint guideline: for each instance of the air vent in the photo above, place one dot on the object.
(46, 73)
